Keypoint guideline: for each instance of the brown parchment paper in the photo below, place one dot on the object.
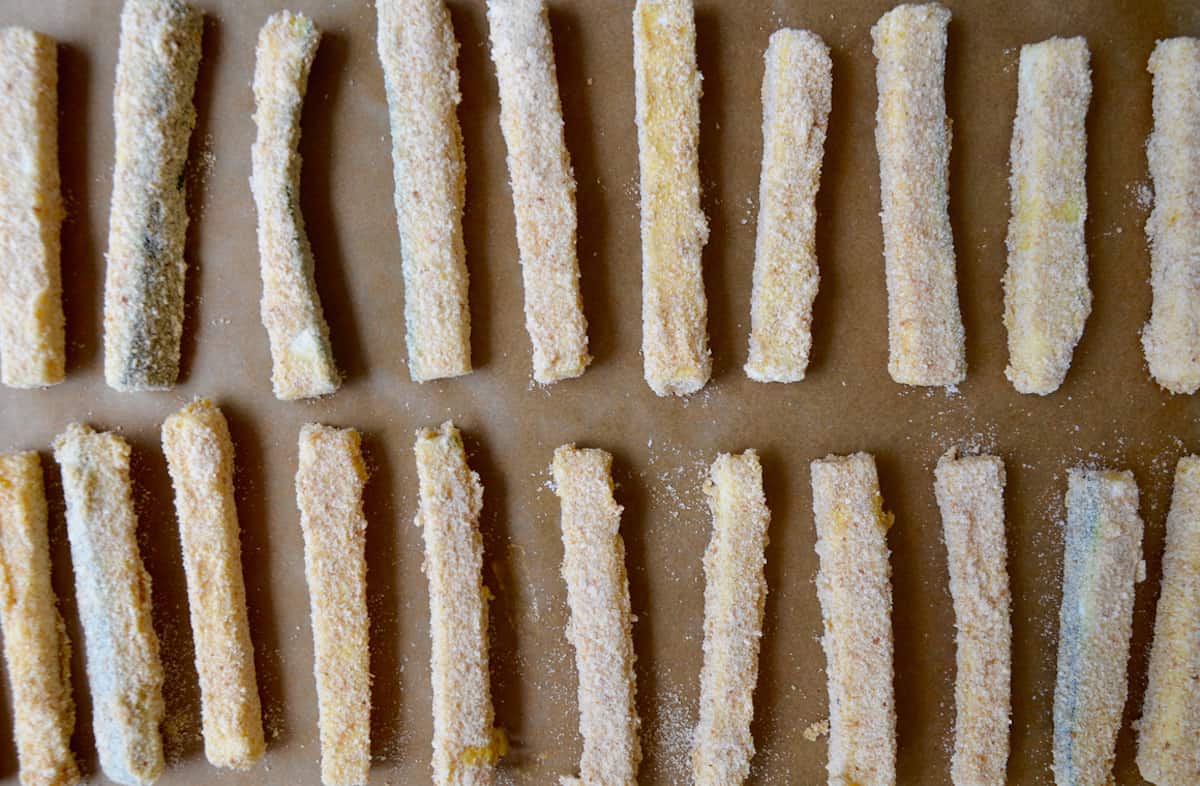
(1108, 412)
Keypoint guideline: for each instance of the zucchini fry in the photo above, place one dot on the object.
(855, 590)
(543, 187)
(796, 94)
(926, 343)
(418, 51)
(329, 484)
(199, 455)
(301, 359)
(37, 650)
(1046, 294)
(675, 354)
(112, 589)
(31, 212)
(154, 116)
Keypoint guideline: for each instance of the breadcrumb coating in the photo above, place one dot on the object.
(465, 746)
(855, 590)
(1046, 294)
(601, 624)
(31, 212)
(543, 187)
(1101, 564)
(200, 458)
(1169, 731)
(1172, 336)
(329, 485)
(796, 96)
(970, 495)
(418, 51)
(153, 113)
(675, 352)
(926, 342)
(302, 363)
(37, 650)
(112, 590)
(735, 594)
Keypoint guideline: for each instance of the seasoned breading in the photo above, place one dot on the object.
(1046, 294)
(199, 454)
(37, 650)
(418, 52)
(543, 187)
(465, 746)
(601, 624)
(675, 350)
(329, 485)
(796, 99)
(855, 590)
(1172, 336)
(1101, 563)
(970, 495)
(31, 212)
(112, 590)
(301, 359)
(152, 109)
(735, 594)
(1170, 725)
(926, 342)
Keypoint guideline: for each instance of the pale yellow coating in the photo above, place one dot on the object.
(855, 590)
(796, 94)
(418, 52)
(543, 187)
(1102, 561)
(970, 495)
(112, 589)
(302, 363)
(1046, 294)
(31, 212)
(1172, 336)
(675, 354)
(329, 486)
(601, 624)
(735, 594)
(465, 746)
(926, 342)
(199, 453)
(1169, 732)
(37, 650)
(157, 64)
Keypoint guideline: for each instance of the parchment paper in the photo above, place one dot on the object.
(1109, 412)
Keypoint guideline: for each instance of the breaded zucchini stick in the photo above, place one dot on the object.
(926, 343)
(970, 494)
(1172, 336)
(796, 93)
(675, 352)
(465, 746)
(301, 359)
(112, 589)
(543, 187)
(1170, 725)
(143, 286)
(37, 650)
(199, 455)
(329, 485)
(418, 52)
(1046, 295)
(735, 592)
(601, 624)
(1102, 562)
(855, 590)
(31, 212)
